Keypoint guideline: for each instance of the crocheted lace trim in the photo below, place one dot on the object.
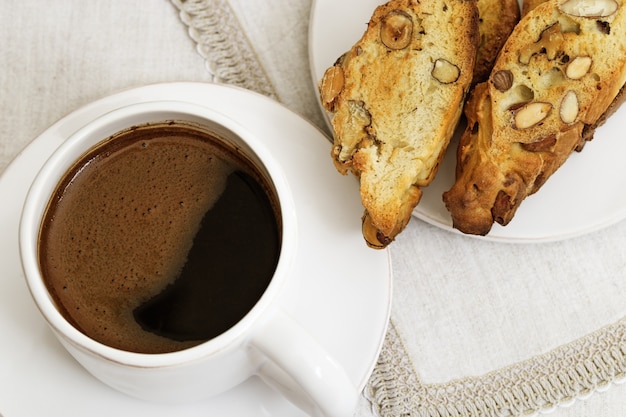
(539, 384)
(227, 52)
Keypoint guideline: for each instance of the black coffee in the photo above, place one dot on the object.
(159, 239)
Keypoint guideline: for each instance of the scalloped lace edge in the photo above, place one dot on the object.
(557, 378)
(228, 55)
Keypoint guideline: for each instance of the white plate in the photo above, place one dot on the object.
(585, 194)
(345, 293)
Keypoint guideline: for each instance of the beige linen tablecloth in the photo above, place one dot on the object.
(477, 328)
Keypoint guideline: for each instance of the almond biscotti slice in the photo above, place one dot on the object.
(395, 99)
(560, 72)
(589, 131)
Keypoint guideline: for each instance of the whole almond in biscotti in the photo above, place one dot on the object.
(559, 75)
(395, 99)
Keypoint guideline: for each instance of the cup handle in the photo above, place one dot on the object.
(302, 370)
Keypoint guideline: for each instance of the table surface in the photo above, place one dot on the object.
(464, 309)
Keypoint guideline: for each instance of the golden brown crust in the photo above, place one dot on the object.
(497, 18)
(590, 130)
(395, 100)
(528, 5)
(556, 76)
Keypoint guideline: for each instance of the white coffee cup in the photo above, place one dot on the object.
(266, 342)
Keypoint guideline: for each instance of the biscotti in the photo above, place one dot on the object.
(395, 99)
(497, 18)
(558, 75)
(589, 131)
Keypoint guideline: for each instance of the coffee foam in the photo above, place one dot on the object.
(141, 199)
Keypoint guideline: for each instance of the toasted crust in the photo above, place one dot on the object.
(556, 77)
(528, 5)
(497, 18)
(395, 99)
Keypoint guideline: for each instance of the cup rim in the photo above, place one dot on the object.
(78, 143)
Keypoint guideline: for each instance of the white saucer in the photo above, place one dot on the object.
(585, 194)
(344, 299)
